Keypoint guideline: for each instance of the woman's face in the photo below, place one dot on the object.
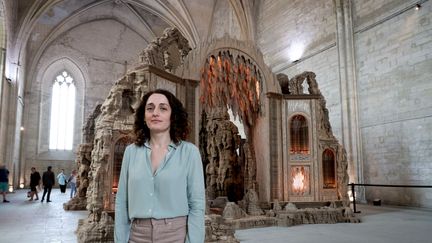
(157, 114)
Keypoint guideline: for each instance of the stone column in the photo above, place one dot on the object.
(275, 130)
(11, 113)
(348, 85)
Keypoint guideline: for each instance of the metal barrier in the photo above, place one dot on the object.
(378, 185)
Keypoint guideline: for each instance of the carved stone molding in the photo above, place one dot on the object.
(166, 52)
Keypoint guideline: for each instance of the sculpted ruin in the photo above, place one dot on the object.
(287, 169)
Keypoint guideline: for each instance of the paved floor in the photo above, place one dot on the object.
(22, 221)
(379, 225)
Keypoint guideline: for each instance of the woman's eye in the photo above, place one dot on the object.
(149, 109)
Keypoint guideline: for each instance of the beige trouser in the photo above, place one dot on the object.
(171, 230)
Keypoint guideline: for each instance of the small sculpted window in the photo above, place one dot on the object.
(299, 135)
(329, 175)
(119, 149)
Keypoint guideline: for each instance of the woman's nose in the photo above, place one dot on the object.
(156, 112)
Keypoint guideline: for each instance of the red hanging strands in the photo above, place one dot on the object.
(235, 84)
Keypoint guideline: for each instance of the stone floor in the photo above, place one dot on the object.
(382, 224)
(22, 221)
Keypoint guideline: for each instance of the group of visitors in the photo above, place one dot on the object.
(47, 181)
(71, 181)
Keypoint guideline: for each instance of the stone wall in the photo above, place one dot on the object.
(393, 53)
(289, 30)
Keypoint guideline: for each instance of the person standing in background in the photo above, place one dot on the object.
(4, 181)
(72, 182)
(48, 180)
(34, 182)
(62, 181)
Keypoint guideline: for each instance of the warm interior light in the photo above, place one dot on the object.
(22, 185)
(351, 198)
(298, 181)
(22, 128)
(11, 188)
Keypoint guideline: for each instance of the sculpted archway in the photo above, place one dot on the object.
(231, 80)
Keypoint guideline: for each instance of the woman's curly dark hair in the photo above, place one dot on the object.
(179, 128)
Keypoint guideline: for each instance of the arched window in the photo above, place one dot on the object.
(62, 112)
(328, 162)
(299, 134)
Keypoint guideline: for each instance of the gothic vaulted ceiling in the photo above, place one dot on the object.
(42, 21)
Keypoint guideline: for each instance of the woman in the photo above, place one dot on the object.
(161, 194)
(34, 183)
(62, 181)
(72, 182)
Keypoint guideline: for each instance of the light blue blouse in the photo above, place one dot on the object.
(61, 178)
(176, 189)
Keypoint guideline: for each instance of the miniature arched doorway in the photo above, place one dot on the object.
(230, 80)
(118, 152)
(119, 148)
(329, 173)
